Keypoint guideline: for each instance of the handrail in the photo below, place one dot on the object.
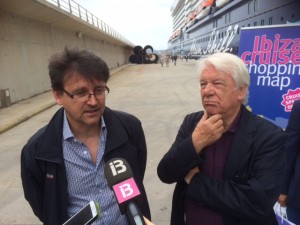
(77, 10)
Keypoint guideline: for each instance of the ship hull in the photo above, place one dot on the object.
(219, 31)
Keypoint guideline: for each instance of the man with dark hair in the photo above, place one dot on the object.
(62, 164)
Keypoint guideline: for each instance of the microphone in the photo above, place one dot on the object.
(120, 179)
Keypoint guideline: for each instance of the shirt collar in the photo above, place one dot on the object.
(233, 126)
(67, 133)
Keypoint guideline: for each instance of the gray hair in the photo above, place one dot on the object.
(229, 64)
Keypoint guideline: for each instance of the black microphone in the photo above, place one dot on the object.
(120, 179)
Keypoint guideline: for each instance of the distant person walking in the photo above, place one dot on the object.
(174, 59)
(161, 61)
(167, 59)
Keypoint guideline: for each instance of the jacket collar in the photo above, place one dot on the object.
(49, 147)
(241, 144)
(116, 133)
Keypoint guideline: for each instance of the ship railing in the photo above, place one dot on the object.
(80, 12)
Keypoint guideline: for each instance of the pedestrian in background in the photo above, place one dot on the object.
(225, 160)
(290, 194)
(62, 164)
(162, 61)
(167, 60)
(175, 59)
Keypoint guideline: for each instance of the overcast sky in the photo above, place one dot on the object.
(142, 22)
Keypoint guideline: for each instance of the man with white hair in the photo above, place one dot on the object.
(227, 163)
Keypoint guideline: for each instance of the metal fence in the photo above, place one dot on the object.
(77, 10)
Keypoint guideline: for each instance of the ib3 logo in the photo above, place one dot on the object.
(126, 189)
(117, 167)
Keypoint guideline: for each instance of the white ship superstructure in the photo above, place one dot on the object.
(202, 27)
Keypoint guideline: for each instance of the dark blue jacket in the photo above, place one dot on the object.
(43, 170)
(251, 182)
(291, 180)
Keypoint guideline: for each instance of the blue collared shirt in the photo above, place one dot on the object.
(86, 180)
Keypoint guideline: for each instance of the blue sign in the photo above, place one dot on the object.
(272, 56)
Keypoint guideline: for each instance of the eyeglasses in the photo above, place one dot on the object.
(84, 95)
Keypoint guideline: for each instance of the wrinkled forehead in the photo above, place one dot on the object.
(75, 77)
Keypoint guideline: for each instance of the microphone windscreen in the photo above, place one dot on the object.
(120, 179)
(117, 170)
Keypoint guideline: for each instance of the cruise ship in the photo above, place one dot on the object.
(201, 27)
